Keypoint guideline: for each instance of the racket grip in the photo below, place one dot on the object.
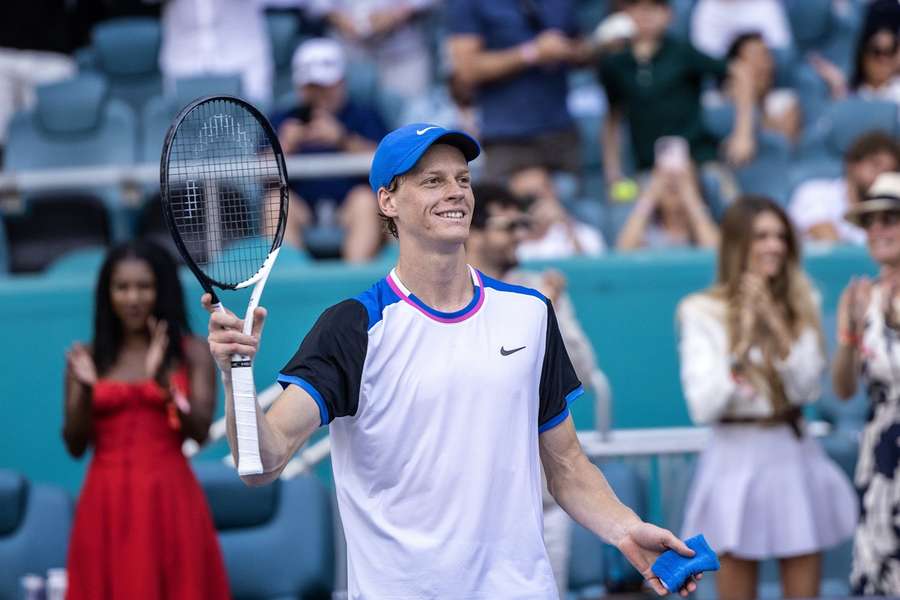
(244, 394)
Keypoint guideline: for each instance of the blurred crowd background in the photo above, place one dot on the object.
(616, 134)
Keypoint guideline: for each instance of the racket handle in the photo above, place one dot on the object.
(244, 394)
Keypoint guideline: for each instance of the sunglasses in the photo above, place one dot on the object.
(509, 224)
(882, 51)
(886, 218)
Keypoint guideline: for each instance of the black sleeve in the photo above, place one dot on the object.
(329, 363)
(559, 383)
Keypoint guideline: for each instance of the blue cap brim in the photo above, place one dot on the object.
(453, 137)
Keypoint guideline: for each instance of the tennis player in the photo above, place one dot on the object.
(444, 389)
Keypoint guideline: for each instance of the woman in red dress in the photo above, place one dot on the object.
(142, 527)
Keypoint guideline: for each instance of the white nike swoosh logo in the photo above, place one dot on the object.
(422, 131)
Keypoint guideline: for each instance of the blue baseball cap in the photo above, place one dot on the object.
(401, 149)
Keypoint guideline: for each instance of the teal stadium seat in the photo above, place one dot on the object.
(35, 521)
(284, 34)
(75, 124)
(766, 173)
(126, 52)
(277, 540)
(847, 119)
(159, 111)
(826, 27)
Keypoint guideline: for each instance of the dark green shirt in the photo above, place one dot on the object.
(662, 97)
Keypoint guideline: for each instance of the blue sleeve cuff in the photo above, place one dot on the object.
(286, 380)
(570, 397)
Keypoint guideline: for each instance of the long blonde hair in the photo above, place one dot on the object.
(790, 288)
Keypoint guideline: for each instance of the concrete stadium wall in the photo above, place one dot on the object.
(626, 304)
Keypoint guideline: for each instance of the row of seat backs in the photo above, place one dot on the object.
(35, 521)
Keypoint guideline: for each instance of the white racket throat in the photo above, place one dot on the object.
(243, 387)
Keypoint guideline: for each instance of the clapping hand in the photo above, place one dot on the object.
(81, 365)
(852, 309)
(159, 344)
(643, 543)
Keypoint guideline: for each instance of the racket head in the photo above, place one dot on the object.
(224, 191)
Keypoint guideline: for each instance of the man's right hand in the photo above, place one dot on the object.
(226, 337)
(553, 47)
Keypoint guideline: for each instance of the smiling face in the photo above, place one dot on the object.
(132, 292)
(883, 236)
(434, 201)
(768, 245)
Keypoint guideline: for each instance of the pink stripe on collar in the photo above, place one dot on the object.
(434, 317)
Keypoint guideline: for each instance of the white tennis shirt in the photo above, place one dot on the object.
(434, 437)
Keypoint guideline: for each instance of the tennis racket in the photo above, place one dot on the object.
(224, 196)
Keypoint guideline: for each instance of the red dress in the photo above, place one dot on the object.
(142, 527)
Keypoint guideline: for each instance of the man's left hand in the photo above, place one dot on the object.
(643, 543)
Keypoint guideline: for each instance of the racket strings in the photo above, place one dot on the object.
(224, 190)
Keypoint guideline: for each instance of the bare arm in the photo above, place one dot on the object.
(80, 377)
(473, 65)
(202, 375)
(635, 229)
(610, 138)
(704, 229)
(850, 318)
(583, 492)
(294, 415)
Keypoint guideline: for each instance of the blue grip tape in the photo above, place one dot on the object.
(674, 570)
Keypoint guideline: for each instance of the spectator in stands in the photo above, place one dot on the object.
(715, 23)
(499, 225)
(142, 527)
(328, 120)
(655, 84)
(389, 32)
(752, 354)
(875, 65)
(670, 212)
(217, 37)
(818, 205)
(867, 326)
(876, 74)
(555, 233)
(514, 57)
(779, 108)
(33, 51)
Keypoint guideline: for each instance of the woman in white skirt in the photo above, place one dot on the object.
(752, 354)
(869, 345)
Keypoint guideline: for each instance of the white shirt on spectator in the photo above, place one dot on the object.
(819, 201)
(711, 390)
(715, 24)
(558, 243)
(217, 37)
(888, 93)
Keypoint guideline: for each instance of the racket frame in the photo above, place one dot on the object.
(242, 384)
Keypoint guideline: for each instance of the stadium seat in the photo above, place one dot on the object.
(34, 530)
(75, 124)
(284, 33)
(126, 52)
(277, 540)
(83, 263)
(848, 119)
(160, 111)
(811, 22)
(46, 230)
(595, 566)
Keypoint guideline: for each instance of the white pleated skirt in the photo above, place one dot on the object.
(760, 492)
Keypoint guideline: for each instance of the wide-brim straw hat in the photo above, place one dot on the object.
(884, 195)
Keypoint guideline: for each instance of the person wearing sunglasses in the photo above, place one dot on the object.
(499, 225)
(868, 324)
(875, 76)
